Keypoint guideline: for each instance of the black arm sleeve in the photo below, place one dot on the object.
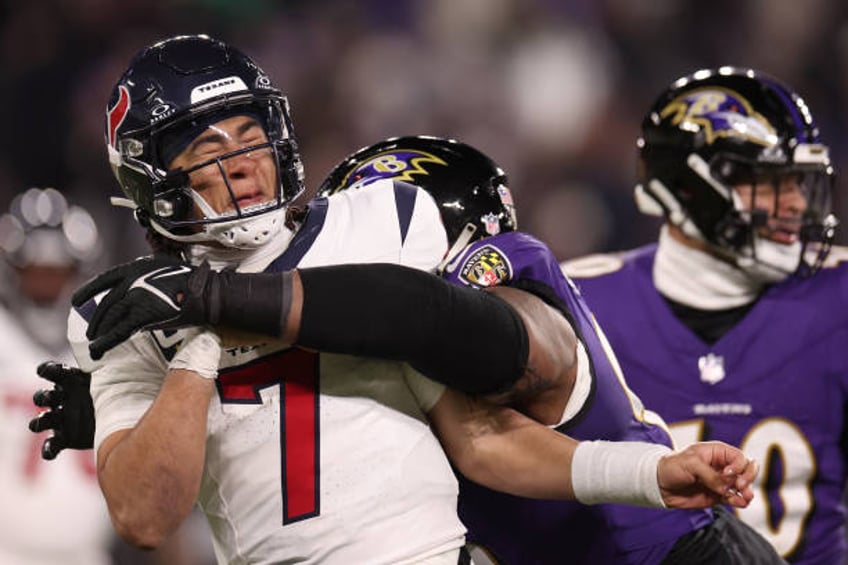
(256, 302)
(467, 339)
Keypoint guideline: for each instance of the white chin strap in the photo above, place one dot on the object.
(458, 246)
(660, 202)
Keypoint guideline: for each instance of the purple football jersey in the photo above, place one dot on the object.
(520, 530)
(776, 385)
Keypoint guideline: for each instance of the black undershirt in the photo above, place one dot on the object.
(709, 325)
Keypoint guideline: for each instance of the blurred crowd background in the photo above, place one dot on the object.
(554, 90)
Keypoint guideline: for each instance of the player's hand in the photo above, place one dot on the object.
(706, 473)
(70, 411)
(148, 293)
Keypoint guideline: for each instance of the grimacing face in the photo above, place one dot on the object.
(252, 176)
(783, 198)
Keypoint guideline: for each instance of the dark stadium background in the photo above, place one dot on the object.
(554, 90)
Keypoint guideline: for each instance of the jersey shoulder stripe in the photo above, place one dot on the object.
(303, 239)
(405, 196)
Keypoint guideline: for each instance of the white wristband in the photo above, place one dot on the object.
(200, 352)
(623, 472)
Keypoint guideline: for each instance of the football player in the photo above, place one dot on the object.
(738, 341)
(294, 454)
(477, 207)
(45, 244)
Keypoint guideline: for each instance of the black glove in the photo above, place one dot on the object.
(148, 293)
(70, 411)
(162, 292)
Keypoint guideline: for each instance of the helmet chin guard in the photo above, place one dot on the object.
(250, 233)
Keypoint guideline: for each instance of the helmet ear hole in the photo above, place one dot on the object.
(174, 205)
(172, 201)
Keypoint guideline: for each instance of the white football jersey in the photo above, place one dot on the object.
(313, 458)
(51, 512)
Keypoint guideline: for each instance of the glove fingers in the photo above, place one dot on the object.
(56, 372)
(127, 318)
(107, 318)
(100, 345)
(110, 302)
(117, 325)
(113, 276)
(44, 421)
(48, 397)
(126, 309)
(98, 284)
(52, 446)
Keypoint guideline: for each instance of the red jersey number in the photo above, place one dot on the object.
(296, 372)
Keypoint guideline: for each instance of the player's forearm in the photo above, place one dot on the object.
(507, 451)
(150, 475)
(519, 456)
(466, 339)
(461, 337)
(528, 460)
(502, 449)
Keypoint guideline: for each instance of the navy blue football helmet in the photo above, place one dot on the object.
(170, 92)
(717, 129)
(471, 190)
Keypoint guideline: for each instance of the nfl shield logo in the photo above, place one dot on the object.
(712, 368)
(493, 225)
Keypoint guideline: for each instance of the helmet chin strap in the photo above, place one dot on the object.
(458, 246)
(657, 200)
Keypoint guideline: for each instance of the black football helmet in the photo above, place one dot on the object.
(171, 91)
(471, 190)
(726, 127)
